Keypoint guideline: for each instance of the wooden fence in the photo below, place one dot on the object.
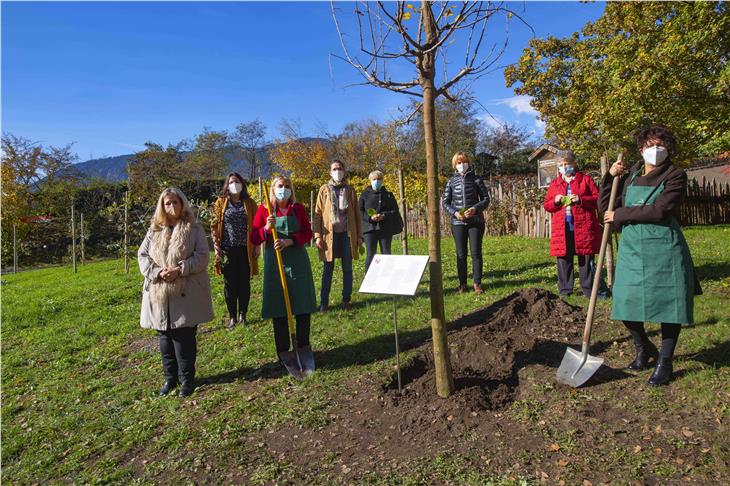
(706, 203)
(514, 210)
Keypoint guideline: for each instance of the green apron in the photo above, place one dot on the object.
(654, 272)
(298, 273)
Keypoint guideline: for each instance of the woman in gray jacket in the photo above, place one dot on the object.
(176, 295)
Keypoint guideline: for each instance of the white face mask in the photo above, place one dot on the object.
(655, 155)
(462, 168)
(235, 188)
(337, 175)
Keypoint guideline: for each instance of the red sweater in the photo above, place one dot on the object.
(301, 237)
(586, 229)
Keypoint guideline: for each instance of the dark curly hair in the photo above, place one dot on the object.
(659, 132)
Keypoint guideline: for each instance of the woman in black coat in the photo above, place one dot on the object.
(380, 216)
(465, 199)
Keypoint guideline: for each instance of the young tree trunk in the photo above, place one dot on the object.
(441, 356)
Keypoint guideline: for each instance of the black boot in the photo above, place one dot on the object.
(167, 387)
(644, 353)
(187, 388)
(662, 373)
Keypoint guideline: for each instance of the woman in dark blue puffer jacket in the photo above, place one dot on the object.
(465, 199)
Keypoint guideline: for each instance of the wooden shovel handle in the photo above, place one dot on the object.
(599, 264)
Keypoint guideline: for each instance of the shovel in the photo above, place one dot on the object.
(578, 366)
(300, 362)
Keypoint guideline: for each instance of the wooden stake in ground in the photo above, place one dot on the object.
(403, 211)
(15, 252)
(126, 239)
(73, 238)
(311, 212)
(609, 248)
(81, 224)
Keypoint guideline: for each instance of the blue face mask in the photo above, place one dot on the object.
(567, 170)
(282, 193)
(376, 184)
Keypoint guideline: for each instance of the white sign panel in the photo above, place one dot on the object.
(394, 274)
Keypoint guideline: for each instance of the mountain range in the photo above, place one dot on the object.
(114, 169)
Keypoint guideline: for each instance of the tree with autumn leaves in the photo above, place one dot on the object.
(640, 63)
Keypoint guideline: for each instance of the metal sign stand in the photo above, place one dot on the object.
(394, 275)
(397, 345)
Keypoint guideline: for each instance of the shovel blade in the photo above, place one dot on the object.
(307, 359)
(290, 362)
(576, 368)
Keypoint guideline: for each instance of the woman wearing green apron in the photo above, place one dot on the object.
(655, 279)
(294, 232)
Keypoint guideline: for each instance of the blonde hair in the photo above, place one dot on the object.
(159, 219)
(375, 173)
(459, 157)
(272, 197)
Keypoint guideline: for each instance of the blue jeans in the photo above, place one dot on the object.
(341, 249)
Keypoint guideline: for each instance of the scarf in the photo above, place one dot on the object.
(168, 248)
(338, 203)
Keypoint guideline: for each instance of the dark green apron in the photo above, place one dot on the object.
(298, 273)
(654, 272)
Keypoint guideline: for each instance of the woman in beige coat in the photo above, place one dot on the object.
(337, 232)
(176, 295)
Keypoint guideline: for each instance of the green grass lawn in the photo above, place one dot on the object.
(79, 376)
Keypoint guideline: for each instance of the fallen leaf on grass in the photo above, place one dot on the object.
(679, 461)
(554, 447)
(706, 450)
(637, 449)
(562, 463)
(658, 450)
(686, 432)
(587, 483)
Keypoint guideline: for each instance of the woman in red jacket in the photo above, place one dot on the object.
(572, 199)
(294, 232)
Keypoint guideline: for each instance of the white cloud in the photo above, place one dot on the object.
(491, 120)
(520, 105)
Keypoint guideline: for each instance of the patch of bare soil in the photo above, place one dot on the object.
(508, 413)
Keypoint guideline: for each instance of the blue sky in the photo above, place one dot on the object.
(110, 76)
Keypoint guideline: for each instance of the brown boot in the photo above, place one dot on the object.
(477, 289)
(461, 289)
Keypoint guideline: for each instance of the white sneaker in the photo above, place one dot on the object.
(231, 324)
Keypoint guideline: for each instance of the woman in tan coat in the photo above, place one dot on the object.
(337, 232)
(176, 294)
(235, 257)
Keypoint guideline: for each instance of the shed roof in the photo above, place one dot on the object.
(542, 150)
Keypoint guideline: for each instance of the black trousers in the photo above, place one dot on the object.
(281, 332)
(586, 268)
(236, 281)
(474, 232)
(372, 239)
(179, 348)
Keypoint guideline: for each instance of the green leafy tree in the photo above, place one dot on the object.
(156, 167)
(511, 145)
(209, 159)
(641, 62)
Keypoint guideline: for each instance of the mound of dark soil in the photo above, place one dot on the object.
(520, 330)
